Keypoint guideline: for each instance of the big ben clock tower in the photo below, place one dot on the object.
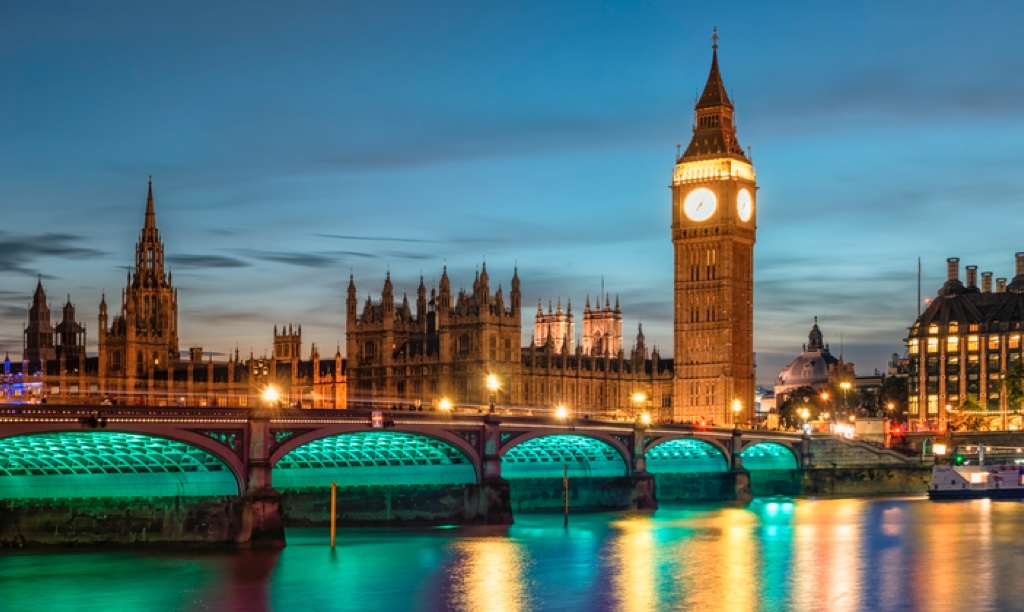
(714, 214)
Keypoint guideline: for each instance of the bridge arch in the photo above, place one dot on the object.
(686, 455)
(545, 455)
(78, 464)
(355, 456)
(768, 455)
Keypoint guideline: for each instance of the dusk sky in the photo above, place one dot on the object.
(294, 144)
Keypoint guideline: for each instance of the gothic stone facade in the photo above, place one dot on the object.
(446, 346)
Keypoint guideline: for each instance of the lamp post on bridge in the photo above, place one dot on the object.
(493, 386)
(639, 400)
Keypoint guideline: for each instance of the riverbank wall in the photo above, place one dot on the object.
(228, 520)
(121, 521)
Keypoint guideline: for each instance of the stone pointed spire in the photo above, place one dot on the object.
(150, 222)
(714, 128)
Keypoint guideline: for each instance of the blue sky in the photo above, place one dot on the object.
(291, 146)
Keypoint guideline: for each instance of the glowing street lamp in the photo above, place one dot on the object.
(445, 404)
(645, 419)
(562, 414)
(737, 408)
(271, 396)
(845, 386)
(493, 386)
(639, 399)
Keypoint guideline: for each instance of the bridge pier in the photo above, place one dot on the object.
(262, 514)
(739, 475)
(644, 495)
(493, 503)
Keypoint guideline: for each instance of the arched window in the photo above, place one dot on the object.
(464, 344)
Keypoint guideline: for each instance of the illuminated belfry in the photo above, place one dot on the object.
(963, 345)
(714, 217)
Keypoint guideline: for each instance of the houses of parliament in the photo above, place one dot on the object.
(443, 344)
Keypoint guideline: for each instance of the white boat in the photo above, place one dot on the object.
(976, 482)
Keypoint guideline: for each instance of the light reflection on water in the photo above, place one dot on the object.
(880, 554)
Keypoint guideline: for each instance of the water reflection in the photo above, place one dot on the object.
(886, 554)
(488, 574)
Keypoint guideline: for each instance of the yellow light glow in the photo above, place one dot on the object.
(561, 412)
(488, 574)
(270, 395)
(718, 168)
(492, 382)
(737, 406)
(444, 404)
(639, 398)
(939, 449)
(645, 419)
(845, 385)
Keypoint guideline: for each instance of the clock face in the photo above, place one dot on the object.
(700, 204)
(744, 205)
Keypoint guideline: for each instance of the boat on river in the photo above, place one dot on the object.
(976, 482)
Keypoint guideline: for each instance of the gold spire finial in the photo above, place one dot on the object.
(714, 37)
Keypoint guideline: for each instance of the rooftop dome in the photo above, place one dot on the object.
(811, 368)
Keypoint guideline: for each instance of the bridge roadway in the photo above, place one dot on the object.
(250, 442)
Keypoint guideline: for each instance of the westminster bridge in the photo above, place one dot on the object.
(95, 474)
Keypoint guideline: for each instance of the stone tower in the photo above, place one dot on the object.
(557, 327)
(444, 346)
(70, 335)
(39, 333)
(144, 335)
(714, 193)
(602, 329)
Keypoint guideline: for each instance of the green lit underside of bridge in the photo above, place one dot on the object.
(111, 464)
(108, 464)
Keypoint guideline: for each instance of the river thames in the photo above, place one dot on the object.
(823, 554)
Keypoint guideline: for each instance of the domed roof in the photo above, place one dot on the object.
(811, 368)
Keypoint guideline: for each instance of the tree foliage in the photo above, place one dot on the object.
(1013, 386)
(968, 416)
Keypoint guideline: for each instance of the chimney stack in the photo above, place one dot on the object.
(972, 277)
(986, 282)
(1020, 264)
(953, 269)
(1000, 285)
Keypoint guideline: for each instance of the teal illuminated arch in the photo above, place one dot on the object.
(108, 464)
(372, 458)
(682, 456)
(547, 456)
(768, 456)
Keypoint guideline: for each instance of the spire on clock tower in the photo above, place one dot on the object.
(714, 128)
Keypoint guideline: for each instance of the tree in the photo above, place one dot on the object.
(1013, 386)
(796, 401)
(894, 391)
(968, 416)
